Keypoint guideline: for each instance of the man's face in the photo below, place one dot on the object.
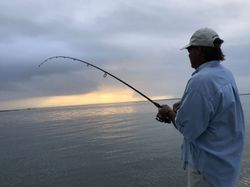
(195, 56)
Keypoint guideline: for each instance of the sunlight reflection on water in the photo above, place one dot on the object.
(95, 145)
(76, 112)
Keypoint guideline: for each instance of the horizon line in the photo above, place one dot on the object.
(33, 108)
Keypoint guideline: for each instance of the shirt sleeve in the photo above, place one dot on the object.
(194, 115)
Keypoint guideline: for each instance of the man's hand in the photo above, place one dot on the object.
(176, 106)
(163, 114)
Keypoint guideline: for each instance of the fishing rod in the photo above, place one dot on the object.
(105, 75)
(159, 118)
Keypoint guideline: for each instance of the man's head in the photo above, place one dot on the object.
(204, 46)
(204, 37)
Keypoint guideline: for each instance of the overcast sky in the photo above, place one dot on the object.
(137, 40)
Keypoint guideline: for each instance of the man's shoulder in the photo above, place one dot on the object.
(206, 81)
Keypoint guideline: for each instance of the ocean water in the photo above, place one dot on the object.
(119, 145)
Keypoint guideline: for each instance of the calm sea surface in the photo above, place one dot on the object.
(118, 145)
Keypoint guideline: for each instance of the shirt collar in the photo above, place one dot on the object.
(205, 65)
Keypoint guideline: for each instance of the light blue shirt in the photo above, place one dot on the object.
(212, 123)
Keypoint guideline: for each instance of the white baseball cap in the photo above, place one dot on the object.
(204, 37)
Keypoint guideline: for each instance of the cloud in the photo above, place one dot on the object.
(138, 41)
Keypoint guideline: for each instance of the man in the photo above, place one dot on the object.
(209, 116)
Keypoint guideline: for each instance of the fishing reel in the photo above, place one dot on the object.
(162, 119)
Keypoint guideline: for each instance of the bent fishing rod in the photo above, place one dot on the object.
(105, 74)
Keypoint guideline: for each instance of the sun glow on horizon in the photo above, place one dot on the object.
(97, 97)
(105, 95)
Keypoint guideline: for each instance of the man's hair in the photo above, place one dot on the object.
(214, 53)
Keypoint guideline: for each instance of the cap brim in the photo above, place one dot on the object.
(185, 47)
